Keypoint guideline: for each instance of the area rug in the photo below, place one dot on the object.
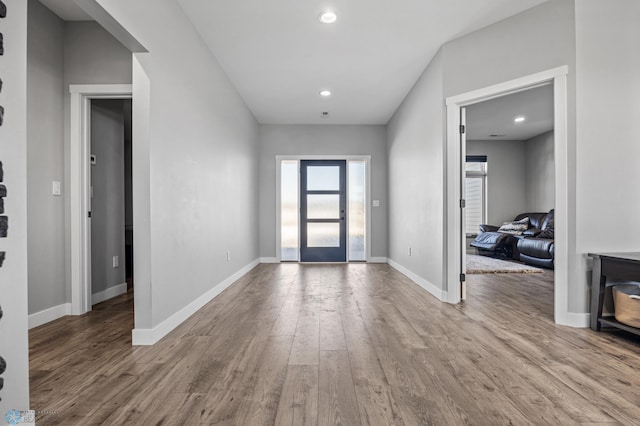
(488, 265)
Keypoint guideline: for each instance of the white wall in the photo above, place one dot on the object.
(319, 140)
(13, 154)
(540, 173)
(200, 152)
(608, 81)
(416, 178)
(107, 201)
(45, 158)
(506, 180)
(538, 39)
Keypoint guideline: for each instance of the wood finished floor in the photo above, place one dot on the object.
(340, 345)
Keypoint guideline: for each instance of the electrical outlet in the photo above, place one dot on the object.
(228, 256)
(116, 261)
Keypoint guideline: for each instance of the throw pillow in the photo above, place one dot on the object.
(515, 228)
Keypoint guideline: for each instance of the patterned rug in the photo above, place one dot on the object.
(487, 265)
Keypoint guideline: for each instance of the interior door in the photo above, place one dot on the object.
(323, 203)
(463, 216)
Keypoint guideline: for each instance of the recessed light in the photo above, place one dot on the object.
(328, 17)
(325, 93)
(519, 119)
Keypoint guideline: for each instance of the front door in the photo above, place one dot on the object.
(323, 201)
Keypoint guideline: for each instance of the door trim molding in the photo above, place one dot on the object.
(368, 201)
(79, 187)
(453, 174)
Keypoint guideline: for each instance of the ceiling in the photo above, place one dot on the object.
(279, 56)
(496, 116)
(67, 10)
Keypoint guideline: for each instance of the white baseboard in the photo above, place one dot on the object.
(269, 260)
(149, 336)
(435, 291)
(48, 315)
(576, 320)
(377, 260)
(109, 293)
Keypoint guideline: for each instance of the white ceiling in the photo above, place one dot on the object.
(496, 116)
(279, 56)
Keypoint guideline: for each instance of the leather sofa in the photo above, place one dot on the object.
(535, 246)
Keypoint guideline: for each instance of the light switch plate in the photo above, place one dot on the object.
(56, 188)
(376, 203)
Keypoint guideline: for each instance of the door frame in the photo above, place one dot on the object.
(368, 201)
(453, 173)
(80, 186)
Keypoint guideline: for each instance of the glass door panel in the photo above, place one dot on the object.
(323, 236)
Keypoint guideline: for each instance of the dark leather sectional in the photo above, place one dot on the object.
(535, 246)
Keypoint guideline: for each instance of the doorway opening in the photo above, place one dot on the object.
(456, 155)
(111, 220)
(80, 184)
(322, 209)
(509, 188)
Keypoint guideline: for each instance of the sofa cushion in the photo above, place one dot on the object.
(532, 232)
(515, 228)
(535, 218)
(490, 240)
(536, 247)
(548, 227)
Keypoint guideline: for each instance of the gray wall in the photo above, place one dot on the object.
(416, 178)
(608, 79)
(319, 140)
(108, 200)
(91, 56)
(538, 39)
(540, 173)
(45, 158)
(195, 160)
(14, 345)
(506, 178)
(59, 53)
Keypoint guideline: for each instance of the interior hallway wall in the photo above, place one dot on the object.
(608, 79)
(91, 56)
(322, 140)
(45, 158)
(197, 166)
(415, 137)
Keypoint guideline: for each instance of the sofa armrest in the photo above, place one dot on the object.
(488, 228)
(532, 232)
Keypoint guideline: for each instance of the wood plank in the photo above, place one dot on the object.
(306, 342)
(337, 402)
(299, 398)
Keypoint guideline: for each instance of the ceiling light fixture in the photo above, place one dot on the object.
(325, 93)
(519, 119)
(328, 17)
